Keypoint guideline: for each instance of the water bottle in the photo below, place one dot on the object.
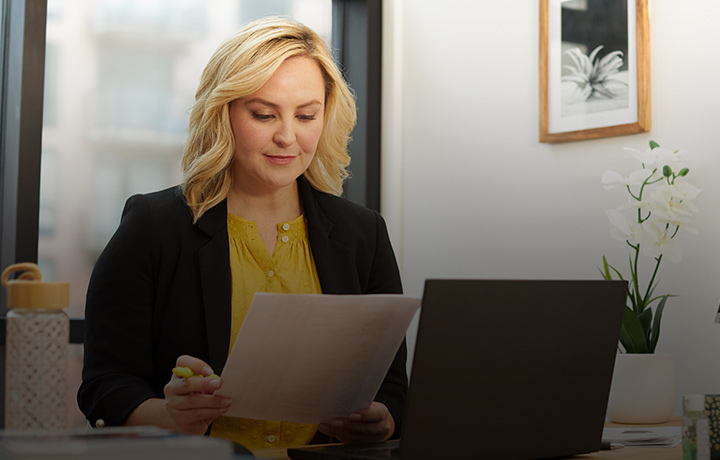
(696, 432)
(36, 350)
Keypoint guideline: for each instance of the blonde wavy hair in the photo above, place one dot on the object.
(238, 68)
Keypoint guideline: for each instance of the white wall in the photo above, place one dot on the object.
(470, 192)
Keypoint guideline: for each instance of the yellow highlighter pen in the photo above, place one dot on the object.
(186, 372)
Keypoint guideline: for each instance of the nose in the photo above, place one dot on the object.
(285, 134)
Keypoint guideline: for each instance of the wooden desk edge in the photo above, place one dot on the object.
(626, 453)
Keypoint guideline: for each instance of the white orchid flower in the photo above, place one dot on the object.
(663, 208)
(667, 209)
(675, 159)
(612, 179)
(623, 228)
(663, 202)
(659, 157)
(684, 191)
(655, 242)
(678, 221)
(644, 157)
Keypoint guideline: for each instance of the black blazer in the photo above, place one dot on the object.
(162, 288)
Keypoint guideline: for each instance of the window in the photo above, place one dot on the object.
(48, 195)
(119, 77)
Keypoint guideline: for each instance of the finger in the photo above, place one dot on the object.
(190, 416)
(374, 413)
(185, 386)
(326, 429)
(366, 415)
(351, 436)
(199, 401)
(197, 365)
(185, 372)
(362, 428)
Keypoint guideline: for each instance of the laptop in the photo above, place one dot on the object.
(504, 369)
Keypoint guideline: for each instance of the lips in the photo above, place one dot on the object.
(280, 159)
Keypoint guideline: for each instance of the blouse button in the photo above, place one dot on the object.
(271, 438)
(271, 273)
(286, 227)
(285, 239)
(99, 423)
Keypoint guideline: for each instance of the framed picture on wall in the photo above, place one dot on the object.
(594, 69)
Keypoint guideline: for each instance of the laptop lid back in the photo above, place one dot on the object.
(512, 369)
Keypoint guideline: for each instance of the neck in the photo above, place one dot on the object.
(278, 206)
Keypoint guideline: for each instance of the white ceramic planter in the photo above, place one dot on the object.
(643, 388)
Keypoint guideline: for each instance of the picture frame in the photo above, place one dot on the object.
(594, 69)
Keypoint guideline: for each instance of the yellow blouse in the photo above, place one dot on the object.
(289, 269)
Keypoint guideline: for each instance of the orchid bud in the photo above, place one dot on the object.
(654, 145)
(683, 172)
(667, 171)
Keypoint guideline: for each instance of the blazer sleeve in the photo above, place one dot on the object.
(118, 349)
(385, 278)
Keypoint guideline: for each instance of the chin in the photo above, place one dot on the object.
(280, 183)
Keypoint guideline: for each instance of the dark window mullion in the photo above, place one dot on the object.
(21, 85)
(357, 44)
(21, 125)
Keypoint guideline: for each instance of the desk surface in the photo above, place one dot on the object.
(626, 453)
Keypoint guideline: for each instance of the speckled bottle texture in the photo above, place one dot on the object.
(36, 368)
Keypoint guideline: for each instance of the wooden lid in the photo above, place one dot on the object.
(28, 291)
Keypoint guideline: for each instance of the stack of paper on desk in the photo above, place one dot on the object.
(310, 358)
(663, 436)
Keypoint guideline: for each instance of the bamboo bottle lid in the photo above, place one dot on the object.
(28, 290)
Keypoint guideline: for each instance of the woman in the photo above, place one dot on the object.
(258, 210)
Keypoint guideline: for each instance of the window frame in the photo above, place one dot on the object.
(360, 58)
(23, 69)
(21, 99)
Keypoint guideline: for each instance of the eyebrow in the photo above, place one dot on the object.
(275, 106)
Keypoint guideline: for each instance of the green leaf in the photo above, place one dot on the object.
(632, 336)
(626, 340)
(654, 145)
(645, 319)
(606, 270)
(655, 333)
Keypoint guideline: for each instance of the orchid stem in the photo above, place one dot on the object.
(652, 279)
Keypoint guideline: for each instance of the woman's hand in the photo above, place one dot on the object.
(371, 424)
(191, 401)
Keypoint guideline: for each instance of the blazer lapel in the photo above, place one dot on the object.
(216, 284)
(334, 261)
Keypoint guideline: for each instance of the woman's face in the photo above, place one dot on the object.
(277, 128)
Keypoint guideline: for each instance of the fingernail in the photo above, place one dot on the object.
(206, 370)
(215, 383)
(226, 401)
(337, 423)
(355, 417)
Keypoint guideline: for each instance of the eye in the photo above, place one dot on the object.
(306, 117)
(262, 116)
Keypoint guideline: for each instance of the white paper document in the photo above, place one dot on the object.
(312, 357)
(660, 436)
